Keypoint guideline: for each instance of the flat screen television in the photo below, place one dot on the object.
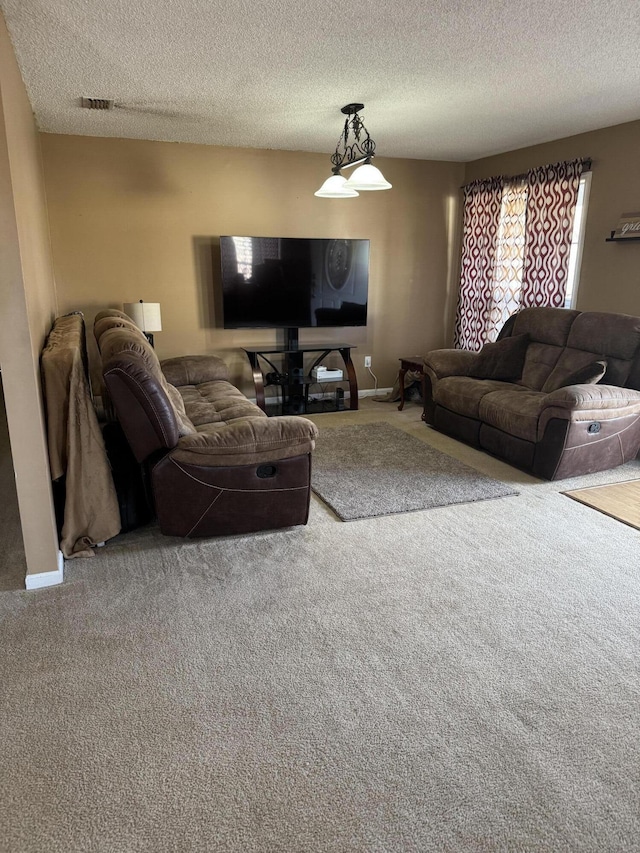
(291, 282)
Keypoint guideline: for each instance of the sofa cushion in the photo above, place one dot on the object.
(217, 402)
(514, 413)
(588, 374)
(502, 360)
(462, 394)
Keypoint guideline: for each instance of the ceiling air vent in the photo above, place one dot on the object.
(96, 103)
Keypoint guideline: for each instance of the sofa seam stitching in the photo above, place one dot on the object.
(225, 489)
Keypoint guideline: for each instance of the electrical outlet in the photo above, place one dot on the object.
(367, 361)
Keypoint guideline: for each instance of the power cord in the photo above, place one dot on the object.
(375, 379)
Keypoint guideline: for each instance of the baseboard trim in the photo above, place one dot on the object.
(373, 392)
(42, 579)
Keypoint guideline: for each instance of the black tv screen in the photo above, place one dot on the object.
(280, 282)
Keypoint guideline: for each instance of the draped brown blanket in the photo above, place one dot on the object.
(76, 446)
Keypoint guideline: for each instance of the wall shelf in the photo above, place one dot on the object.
(613, 239)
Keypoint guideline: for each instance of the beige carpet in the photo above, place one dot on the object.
(464, 678)
(619, 500)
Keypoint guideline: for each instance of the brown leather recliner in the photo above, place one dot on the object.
(558, 394)
(218, 465)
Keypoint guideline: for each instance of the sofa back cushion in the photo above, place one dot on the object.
(502, 360)
(545, 325)
(548, 329)
(597, 335)
(124, 339)
(564, 341)
(104, 323)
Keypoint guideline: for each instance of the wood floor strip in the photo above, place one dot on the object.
(618, 500)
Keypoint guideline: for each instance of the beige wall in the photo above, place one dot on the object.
(610, 274)
(27, 308)
(132, 219)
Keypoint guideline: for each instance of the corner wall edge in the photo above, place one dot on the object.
(43, 579)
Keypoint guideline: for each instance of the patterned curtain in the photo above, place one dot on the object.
(482, 203)
(506, 285)
(551, 205)
(516, 243)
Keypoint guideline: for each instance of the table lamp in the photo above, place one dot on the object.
(146, 315)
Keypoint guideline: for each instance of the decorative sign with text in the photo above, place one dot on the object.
(628, 226)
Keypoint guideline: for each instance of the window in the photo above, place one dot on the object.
(507, 274)
(577, 241)
(507, 277)
(520, 246)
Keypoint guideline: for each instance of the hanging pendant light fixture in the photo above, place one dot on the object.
(355, 148)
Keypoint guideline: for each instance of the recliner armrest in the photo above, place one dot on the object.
(247, 441)
(593, 396)
(194, 369)
(449, 362)
(581, 403)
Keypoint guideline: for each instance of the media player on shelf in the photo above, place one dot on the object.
(324, 374)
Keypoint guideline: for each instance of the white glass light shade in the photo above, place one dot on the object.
(335, 187)
(368, 177)
(146, 315)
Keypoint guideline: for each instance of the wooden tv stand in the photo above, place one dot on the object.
(294, 377)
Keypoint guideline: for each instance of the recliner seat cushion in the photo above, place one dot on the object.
(514, 413)
(217, 402)
(247, 441)
(463, 394)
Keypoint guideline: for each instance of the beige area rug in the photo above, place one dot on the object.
(617, 500)
(373, 469)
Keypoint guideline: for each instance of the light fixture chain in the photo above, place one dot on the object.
(359, 149)
(355, 147)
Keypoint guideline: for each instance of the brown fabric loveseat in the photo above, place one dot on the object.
(558, 394)
(217, 463)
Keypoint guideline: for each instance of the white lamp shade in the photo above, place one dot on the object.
(367, 177)
(336, 187)
(146, 315)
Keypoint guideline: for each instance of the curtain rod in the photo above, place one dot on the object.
(586, 168)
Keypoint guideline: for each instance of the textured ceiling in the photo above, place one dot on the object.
(440, 79)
